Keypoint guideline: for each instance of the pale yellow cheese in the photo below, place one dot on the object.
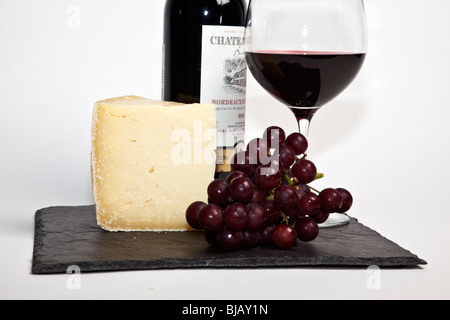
(150, 161)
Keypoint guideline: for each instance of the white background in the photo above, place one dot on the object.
(385, 139)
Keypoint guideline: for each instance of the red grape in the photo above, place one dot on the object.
(236, 216)
(218, 192)
(251, 239)
(211, 217)
(321, 217)
(241, 190)
(347, 202)
(192, 213)
(273, 211)
(267, 177)
(230, 240)
(259, 196)
(330, 200)
(285, 236)
(305, 171)
(286, 197)
(287, 156)
(298, 142)
(309, 205)
(256, 217)
(266, 235)
(235, 174)
(275, 136)
(307, 229)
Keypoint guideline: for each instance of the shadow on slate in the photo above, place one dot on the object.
(67, 236)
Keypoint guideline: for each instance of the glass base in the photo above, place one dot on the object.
(336, 220)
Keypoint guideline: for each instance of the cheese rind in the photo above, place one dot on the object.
(150, 160)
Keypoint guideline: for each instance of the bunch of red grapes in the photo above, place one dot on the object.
(266, 199)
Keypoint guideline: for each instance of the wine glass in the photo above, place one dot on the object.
(305, 53)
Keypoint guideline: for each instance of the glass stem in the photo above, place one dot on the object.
(303, 126)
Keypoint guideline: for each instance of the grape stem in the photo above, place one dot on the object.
(314, 189)
(285, 218)
(288, 179)
(292, 183)
(271, 195)
(320, 176)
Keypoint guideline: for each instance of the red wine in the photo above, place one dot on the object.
(204, 62)
(304, 80)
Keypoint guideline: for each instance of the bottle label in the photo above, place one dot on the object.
(223, 83)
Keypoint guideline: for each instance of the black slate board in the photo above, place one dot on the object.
(66, 236)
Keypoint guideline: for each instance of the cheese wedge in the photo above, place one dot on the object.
(150, 160)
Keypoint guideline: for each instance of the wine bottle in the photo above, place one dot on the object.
(204, 62)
